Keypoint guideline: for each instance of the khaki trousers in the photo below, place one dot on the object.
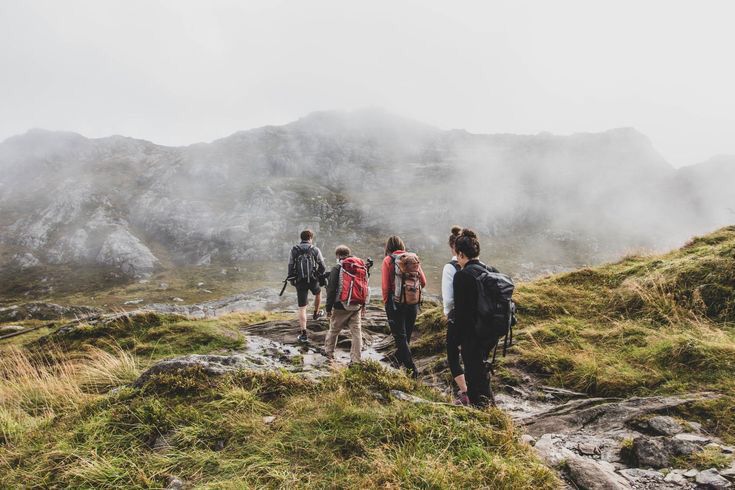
(344, 319)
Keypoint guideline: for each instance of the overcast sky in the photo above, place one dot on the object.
(179, 72)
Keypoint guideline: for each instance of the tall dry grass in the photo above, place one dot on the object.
(36, 385)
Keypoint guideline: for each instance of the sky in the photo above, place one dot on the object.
(179, 72)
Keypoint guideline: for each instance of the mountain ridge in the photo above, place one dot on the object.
(66, 198)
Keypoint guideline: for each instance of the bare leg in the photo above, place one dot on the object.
(461, 383)
(302, 317)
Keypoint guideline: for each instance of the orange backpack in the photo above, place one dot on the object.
(407, 278)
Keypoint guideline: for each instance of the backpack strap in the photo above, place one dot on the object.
(455, 264)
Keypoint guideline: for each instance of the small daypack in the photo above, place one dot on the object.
(304, 264)
(407, 278)
(352, 289)
(495, 306)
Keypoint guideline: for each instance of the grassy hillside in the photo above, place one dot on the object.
(646, 324)
(69, 418)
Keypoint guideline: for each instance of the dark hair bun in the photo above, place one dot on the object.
(468, 233)
(456, 230)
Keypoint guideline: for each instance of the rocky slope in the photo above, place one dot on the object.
(135, 206)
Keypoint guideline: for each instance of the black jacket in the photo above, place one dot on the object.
(321, 267)
(465, 297)
(332, 289)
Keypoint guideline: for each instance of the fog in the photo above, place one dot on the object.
(566, 133)
(178, 72)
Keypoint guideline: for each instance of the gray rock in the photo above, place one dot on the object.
(407, 397)
(44, 311)
(528, 439)
(680, 447)
(711, 479)
(211, 364)
(133, 302)
(25, 260)
(597, 415)
(551, 450)
(691, 473)
(11, 328)
(676, 477)
(651, 452)
(729, 472)
(695, 438)
(175, 483)
(642, 478)
(588, 474)
(664, 425)
(588, 449)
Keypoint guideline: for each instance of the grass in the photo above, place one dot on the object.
(330, 434)
(644, 325)
(154, 335)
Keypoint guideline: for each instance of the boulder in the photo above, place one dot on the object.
(211, 364)
(588, 474)
(664, 426)
(711, 479)
(651, 452)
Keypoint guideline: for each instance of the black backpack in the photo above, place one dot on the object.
(304, 264)
(495, 306)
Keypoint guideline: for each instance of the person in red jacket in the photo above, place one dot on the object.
(401, 316)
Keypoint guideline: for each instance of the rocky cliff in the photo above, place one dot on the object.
(136, 206)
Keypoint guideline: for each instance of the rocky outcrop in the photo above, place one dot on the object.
(44, 311)
(263, 299)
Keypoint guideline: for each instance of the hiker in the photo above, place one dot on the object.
(305, 271)
(453, 359)
(402, 283)
(475, 348)
(347, 295)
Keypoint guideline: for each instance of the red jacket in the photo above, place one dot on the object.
(388, 279)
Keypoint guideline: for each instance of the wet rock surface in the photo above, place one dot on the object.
(261, 299)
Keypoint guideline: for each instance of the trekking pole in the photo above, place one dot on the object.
(285, 283)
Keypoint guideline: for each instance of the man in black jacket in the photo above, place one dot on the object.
(342, 316)
(306, 267)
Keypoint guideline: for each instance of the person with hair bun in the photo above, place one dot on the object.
(475, 350)
(453, 351)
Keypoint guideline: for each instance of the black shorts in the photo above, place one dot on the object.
(302, 292)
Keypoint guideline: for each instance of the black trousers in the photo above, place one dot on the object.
(475, 352)
(453, 342)
(401, 320)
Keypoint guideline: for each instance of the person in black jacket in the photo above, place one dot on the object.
(475, 350)
(342, 316)
(312, 283)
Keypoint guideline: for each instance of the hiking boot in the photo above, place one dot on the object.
(317, 315)
(303, 337)
(462, 398)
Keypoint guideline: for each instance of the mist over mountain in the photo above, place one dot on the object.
(136, 206)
